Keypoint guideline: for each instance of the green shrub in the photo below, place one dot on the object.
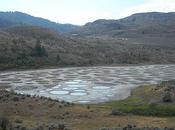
(40, 50)
(18, 121)
(167, 97)
(4, 124)
(16, 99)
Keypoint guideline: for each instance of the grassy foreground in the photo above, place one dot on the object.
(146, 100)
(143, 108)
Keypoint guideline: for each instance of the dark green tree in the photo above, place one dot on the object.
(167, 97)
(40, 50)
(58, 58)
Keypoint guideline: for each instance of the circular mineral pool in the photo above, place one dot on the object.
(59, 92)
(101, 87)
(56, 86)
(83, 101)
(42, 91)
(80, 90)
(70, 88)
(78, 94)
(72, 82)
(76, 85)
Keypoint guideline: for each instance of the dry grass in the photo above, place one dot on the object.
(34, 110)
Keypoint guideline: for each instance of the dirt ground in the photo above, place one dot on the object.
(33, 111)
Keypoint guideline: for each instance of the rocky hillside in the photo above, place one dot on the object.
(137, 25)
(31, 46)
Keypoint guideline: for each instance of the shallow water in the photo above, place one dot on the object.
(86, 84)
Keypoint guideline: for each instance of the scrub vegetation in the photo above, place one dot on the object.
(144, 109)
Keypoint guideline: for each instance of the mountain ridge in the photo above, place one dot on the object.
(137, 23)
(11, 19)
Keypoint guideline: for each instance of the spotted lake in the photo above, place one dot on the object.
(85, 84)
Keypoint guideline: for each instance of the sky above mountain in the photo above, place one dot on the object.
(82, 11)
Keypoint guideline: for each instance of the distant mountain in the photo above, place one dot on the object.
(11, 19)
(136, 25)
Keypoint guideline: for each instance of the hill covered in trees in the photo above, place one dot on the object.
(31, 46)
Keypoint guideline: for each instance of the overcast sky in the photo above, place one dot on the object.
(82, 11)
